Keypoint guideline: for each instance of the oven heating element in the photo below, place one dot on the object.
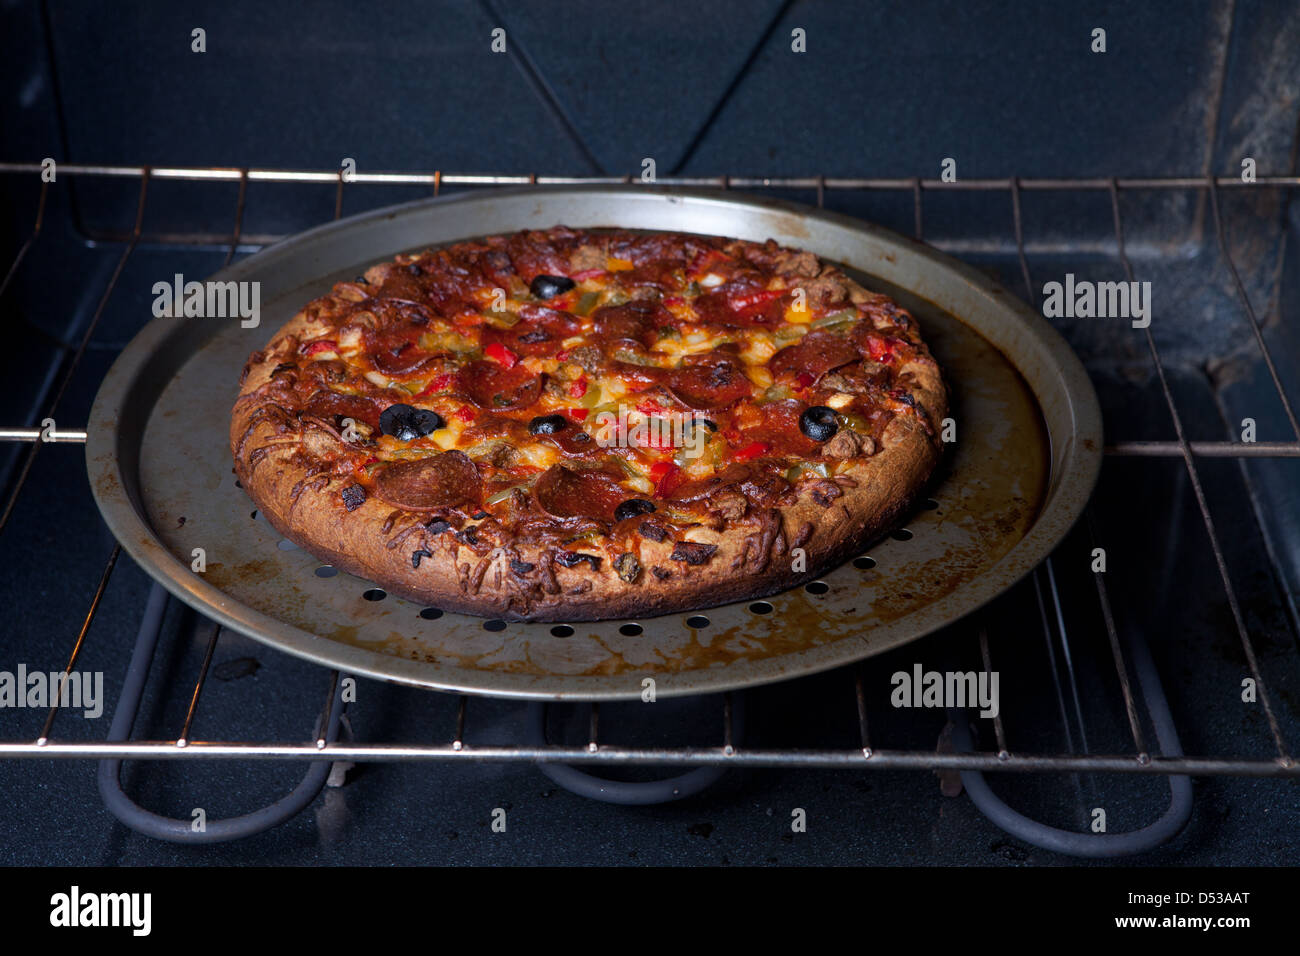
(698, 766)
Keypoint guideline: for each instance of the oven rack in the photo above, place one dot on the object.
(1126, 648)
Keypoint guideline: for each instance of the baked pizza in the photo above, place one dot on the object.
(575, 425)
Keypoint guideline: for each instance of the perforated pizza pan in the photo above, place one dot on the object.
(1025, 458)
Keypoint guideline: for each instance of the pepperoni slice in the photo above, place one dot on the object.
(817, 354)
(639, 376)
(698, 490)
(407, 362)
(563, 322)
(569, 494)
(741, 303)
(710, 386)
(573, 441)
(711, 309)
(490, 385)
(540, 331)
(397, 283)
(327, 405)
(449, 299)
(497, 266)
(631, 322)
(533, 254)
(447, 480)
(727, 351)
(665, 274)
(392, 351)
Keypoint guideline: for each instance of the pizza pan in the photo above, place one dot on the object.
(1026, 454)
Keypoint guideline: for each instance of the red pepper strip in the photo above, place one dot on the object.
(650, 408)
(437, 385)
(805, 379)
(667, 478)
(577, 414)
(502, 355)
(672, 300)
(753, 450)
(324, 345)
(465, 413)
(578, 388)
(751, 299)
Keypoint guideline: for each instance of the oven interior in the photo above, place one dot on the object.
(1105, 166)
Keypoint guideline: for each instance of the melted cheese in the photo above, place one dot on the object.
(798, 316)
(539, 455)
(759, 348)
(643, 485)
(350, 339)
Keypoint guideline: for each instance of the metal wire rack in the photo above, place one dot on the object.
(1128, 652)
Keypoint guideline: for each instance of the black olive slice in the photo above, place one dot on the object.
(547, 424)
(547, 287)
(407, 423)
(818, 423)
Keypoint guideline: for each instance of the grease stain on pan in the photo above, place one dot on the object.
(786, 225)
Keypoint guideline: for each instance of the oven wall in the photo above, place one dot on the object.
(594, 87)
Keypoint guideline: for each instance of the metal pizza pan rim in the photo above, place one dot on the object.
(1066, 398)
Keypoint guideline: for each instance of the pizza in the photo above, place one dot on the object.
(576, 425)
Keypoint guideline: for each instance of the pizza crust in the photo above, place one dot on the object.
(832, 520)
